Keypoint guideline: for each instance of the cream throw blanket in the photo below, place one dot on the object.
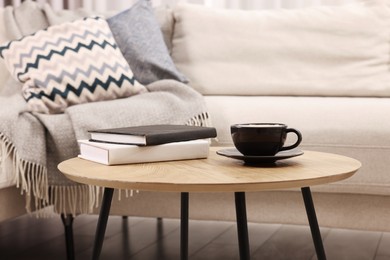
(36, 143)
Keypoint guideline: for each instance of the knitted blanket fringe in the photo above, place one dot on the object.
(32, 179)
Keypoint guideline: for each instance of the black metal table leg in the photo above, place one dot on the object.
(242, 225)
(102, 222)
(184, 226)
(67, 220)
(312, 217)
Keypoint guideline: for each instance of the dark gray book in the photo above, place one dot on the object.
(152, 134)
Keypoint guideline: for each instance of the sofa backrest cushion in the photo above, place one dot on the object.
(68, 64)
(4, 74)
(315, 51)
(164, 16)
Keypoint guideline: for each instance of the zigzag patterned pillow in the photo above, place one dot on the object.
(69, 64)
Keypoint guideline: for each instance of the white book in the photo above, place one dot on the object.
(112, 154)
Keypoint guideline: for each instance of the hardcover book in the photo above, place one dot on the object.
(152, 134)
(112, 154)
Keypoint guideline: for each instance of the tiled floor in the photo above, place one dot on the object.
(148, 238)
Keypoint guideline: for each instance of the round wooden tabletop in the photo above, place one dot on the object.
(214, 174)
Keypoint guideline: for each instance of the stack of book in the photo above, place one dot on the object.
(150, 143)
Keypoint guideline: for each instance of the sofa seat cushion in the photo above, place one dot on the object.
(7, 179)
(349, 126)
(316, 51)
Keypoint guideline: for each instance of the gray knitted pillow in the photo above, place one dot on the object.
(139, 37)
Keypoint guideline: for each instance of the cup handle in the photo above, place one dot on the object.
(299, 135)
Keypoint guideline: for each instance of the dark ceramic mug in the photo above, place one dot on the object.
(262, 139)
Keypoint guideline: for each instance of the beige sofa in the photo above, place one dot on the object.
(305, 68)
(323, 70)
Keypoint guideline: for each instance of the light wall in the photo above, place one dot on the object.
(102, 5)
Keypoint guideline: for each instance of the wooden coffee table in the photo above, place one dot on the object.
(214, 174)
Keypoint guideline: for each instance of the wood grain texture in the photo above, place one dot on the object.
(214, 174)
